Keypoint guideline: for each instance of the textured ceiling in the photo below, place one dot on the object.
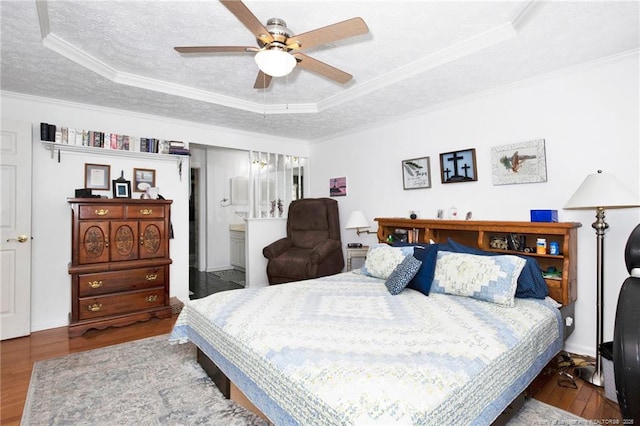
(417, 55)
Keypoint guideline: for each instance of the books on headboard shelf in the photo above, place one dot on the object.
(111, 141)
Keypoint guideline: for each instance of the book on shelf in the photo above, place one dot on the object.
(134, 143)
(179, 151)
(164, 146)
(44, 131)
(552, 275)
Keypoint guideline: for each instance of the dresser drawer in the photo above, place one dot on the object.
(98, 211)
(116, 281)
(143, 211)
(121, 303)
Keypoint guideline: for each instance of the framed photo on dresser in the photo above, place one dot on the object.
(121, 189)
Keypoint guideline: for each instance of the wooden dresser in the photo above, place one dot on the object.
(119, 262)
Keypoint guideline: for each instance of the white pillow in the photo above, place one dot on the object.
(382, 259)
(489, 278)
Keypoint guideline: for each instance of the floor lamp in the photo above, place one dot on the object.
(600, 191)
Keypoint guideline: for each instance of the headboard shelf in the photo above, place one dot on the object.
(488, 235)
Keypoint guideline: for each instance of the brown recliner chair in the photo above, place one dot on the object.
(312, 247)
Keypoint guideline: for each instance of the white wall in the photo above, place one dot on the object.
(263, 232)
(222, 165)
(589, 120)
(54, 182)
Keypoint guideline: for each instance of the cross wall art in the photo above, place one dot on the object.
(458, 166)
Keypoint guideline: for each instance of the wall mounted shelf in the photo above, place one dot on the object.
(53, 147)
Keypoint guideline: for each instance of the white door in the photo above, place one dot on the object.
(15, 224)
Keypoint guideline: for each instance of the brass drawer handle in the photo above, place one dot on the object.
(95, 284)
(152, 298)
(95, 307)
(102, 212)
(151, 277)
(106, 242)
(146, 212)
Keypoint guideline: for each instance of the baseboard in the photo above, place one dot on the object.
(220, 268)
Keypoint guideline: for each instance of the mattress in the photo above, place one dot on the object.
(342, 350)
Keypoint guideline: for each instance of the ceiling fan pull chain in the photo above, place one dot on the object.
(264, 97)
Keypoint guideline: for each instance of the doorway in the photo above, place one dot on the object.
(194, 216)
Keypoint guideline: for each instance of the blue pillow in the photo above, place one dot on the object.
(531, 283)
(403, 273)
(427, 254)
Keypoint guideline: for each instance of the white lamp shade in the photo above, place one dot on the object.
(275, 63)
(357, 220)
(602, 190)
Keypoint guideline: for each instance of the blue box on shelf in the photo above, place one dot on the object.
(544, 215)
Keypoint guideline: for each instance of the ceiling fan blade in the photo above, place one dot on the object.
(338, 31)
(319, 67)
(262, 81)
(215, 49)
(248, 19)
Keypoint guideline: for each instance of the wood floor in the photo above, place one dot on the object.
(17, 357)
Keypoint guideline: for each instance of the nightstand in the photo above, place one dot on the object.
(360, 252)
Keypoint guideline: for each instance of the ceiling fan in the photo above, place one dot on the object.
(279, 50)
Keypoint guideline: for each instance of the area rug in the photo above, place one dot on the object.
(145, 382)
(232, 275)
(150, 382)
(535, 412)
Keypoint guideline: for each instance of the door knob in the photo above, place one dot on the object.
(21, 238)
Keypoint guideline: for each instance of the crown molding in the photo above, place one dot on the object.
(490, 92)
(52, 102)
(432, 61)
(467, 47)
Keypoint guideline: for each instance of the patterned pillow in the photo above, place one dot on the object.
(382, 259)
(530, 282)
(489, 278)
(403, 273)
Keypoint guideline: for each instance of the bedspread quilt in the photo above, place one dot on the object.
(342, 350)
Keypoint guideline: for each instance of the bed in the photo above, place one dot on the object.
(345, 349)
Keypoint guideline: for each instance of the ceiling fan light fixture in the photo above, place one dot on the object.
(275, 62)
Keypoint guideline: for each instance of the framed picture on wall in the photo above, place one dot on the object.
(523, 162)
(416, 173)
(143, 176)
(97, 176)
(338, 187)
(458, 166)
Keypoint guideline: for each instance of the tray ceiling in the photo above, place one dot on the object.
(417, 55)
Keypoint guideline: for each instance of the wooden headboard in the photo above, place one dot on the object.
(480, 234)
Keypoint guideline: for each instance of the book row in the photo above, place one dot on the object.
(90, 138)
